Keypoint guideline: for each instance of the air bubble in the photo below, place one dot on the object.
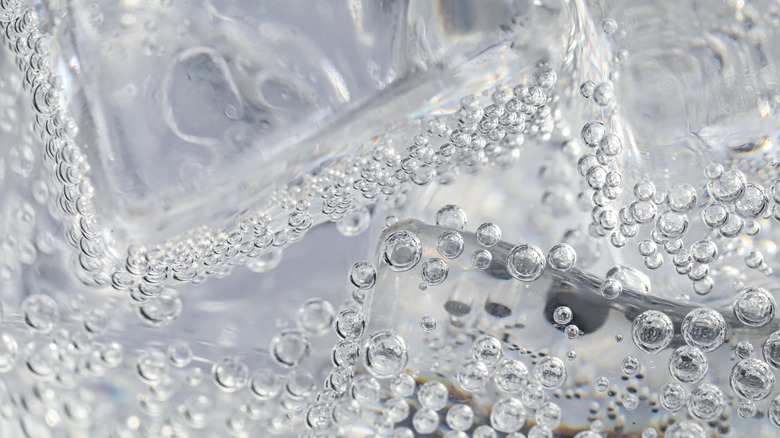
(681, 198)
(315, 317)
(744, 350)
(385, 354)
(672, 225)
(672, 396)
(610, 145)
(602, 384)
(451, 216)
(345, 353)
(230, 374)
(460, 417)
(428, 323)
(511, 376)
(609, 26)
(685, 429)
(587, 88)
(561, 257)
(425, 421)
(688, 364)
(754, 306)
(473, 375)
(265, 384)
(728, 187)
(630, 365)
(546, 77)
(481, 258)
(752, 202)
(354, 222)
(179, 354)
(289, 348)
(365, 390)
(350, 324)
(592, 133)
(363, 275)
(395, 409)
(706, 402)
(488, 234)
(774, 411)
(525, 262)
(550, 372)
(533, 396)
(402, 385)
(507, 415)
(434, 271)
(604, 95)
(449, 244)
(151, 366)
(704, 328)
(401, 251)
(752, 379)
(643, 211)
(9, 352)
(746, 409)
(571, 331)
(630, 401)
(611, 289)
(562, 315)
(487, 349)
(652, 331)
(41, 313)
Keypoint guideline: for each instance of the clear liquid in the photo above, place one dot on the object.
(190, 118)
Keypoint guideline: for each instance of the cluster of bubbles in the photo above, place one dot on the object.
(473, 138)
(524, 390)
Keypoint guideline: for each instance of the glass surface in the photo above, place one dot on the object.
(552, 218)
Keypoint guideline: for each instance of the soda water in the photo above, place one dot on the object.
(528, 218)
